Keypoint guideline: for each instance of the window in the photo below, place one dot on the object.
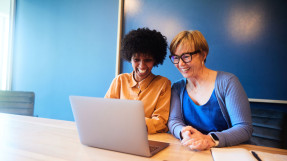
(6, 23)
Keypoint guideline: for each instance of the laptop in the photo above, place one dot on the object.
(113, 124)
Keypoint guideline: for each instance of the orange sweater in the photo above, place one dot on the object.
(153, 91)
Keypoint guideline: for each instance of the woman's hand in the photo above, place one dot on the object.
(195, 140)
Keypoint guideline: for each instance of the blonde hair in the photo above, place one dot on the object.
(188, 38)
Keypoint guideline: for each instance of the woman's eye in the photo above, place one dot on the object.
(185, 56)
(175, 57)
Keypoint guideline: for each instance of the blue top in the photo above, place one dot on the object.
(206, 118)
(233, 103)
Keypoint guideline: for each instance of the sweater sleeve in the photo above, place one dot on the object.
(238, 112)
(176, 122)
(157, 123)
(114, 90)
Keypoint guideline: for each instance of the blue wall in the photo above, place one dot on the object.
(68, 47)
(62, 48)
(247, 38)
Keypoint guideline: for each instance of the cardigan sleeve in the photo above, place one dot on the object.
(238, 112)
(176, 121)
(157, 122)
(114, 90)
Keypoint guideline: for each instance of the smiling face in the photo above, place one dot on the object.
(142, 66)
(192, 68)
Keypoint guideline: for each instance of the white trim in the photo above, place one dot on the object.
(119, 36)
(267, 101)
(10, 45)
(4, 42)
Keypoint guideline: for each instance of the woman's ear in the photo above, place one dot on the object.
(204, 54)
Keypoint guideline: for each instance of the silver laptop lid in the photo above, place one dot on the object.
(113, 124)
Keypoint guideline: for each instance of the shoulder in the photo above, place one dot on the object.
(226, 81)
(162, 81)
(179, 83)
(161, 78)
(224, 76)
(123, 76)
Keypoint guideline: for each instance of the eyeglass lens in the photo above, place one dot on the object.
(185, 58)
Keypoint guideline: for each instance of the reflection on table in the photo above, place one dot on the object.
(31, 138)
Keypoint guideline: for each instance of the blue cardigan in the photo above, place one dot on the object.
(233, 103)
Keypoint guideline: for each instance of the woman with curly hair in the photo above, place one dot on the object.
(145, 48)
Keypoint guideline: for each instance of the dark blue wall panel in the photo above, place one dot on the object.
(62, 48)
(247, 38)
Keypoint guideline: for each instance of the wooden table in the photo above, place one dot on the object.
(25, 138)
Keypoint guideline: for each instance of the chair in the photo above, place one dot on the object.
(17, 102)
(269, 128)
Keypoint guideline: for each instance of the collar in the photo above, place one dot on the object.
(144, 83)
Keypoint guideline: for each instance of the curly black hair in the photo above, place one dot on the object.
(146, 41)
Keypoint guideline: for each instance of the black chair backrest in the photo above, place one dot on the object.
(269, 128)
(17, 102)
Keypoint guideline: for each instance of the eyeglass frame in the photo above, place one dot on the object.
(190, 53)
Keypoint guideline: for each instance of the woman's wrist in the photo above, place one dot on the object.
(210, 142)
(213, 140)
(180, 135)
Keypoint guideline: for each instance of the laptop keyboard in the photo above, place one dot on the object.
(153, 148)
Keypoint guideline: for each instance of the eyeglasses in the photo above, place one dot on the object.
(185, 57)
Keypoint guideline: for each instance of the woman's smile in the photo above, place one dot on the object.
(142, 71)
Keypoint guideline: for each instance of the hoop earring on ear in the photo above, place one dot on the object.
(202, 63)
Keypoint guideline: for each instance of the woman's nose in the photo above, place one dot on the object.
(142, 64)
